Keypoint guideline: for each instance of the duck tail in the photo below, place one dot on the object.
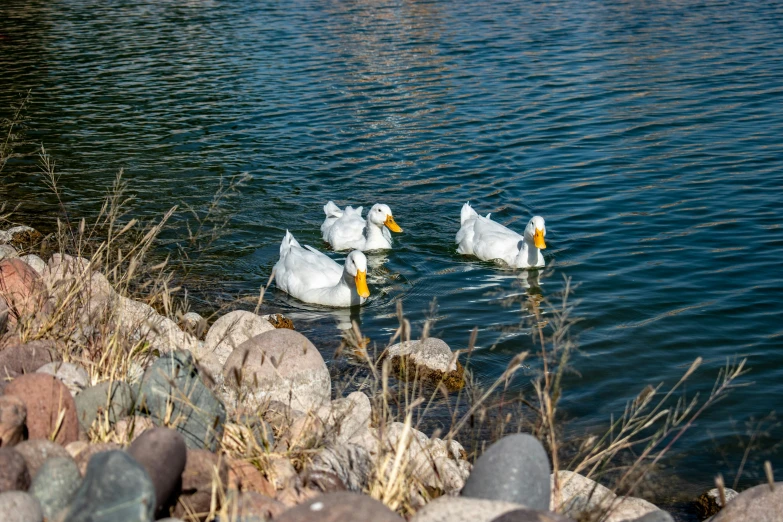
(467, 213)
(288, 242)
(332, 210)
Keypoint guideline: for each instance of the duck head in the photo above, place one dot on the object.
(356, 269)
(535, 232)
(381, 215)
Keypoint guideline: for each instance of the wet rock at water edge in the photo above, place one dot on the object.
(709, 503)
(514, 469)
(172, 391)
(14, 475)
(115, 488)
(38, 451)
(18, 506)
(106, 399)
(197, 479)
(430, 361)
(13, 414)
(21, 237)
(55, 484)
(582, 497)
(280, 365)
(162, 452)
(340, 507)
(46, 399)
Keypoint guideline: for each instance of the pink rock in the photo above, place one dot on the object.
(21, 288)
(46, 397)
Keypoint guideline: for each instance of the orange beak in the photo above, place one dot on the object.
(391, 224)
(361, 284)
(538, 238)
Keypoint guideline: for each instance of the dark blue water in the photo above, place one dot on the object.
(648, 134)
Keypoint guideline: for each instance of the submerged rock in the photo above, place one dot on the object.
(514, 469)
(174, 394)
(115, 487)
(280, 365)
(430, 361)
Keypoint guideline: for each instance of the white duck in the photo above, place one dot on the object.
(311, 276)
(489, 240)
(347, 229)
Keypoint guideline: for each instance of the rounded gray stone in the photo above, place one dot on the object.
(55, 484)
(115, 397)
(115, 488)
(514, 469)
(462, 509)
(18, 506)
(172, 391)
(73, 376)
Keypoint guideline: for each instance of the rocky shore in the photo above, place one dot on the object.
(114, 410)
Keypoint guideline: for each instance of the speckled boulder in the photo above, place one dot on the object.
(279, 364)
(45, 397)
(340, 507)
(55, 484)
(38, 451)
(18, 506)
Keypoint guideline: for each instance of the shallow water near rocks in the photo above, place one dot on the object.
(647, 134)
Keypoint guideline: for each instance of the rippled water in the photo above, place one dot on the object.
(647, 133)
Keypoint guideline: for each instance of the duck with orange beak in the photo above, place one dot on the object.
(348, 230)
(489, 240)
(313, 277)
